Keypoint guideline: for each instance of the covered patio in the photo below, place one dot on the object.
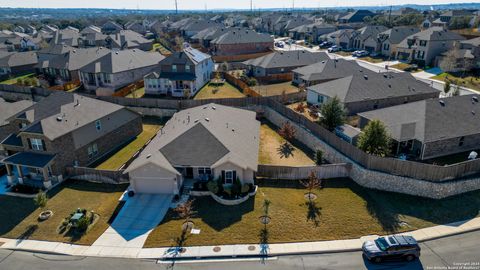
(33, 169)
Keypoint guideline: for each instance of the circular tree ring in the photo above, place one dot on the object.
(265, 220)
(45, 215)
(187, 225)
(251, 248)
(182, 250)
(217, 249)
(311, 196)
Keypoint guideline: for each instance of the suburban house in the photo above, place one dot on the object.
(8, 110)
(323, 71)
(431, 128)
(180, 74)
(117, 69)
(366, 90)
(64, 130)
(91, 29)
(311, 32)
(206, 142)
(282, 62)
(65, 67)
(464, 56)
(111, 27)
(390, 39)
(128, 39)
(67, 36)
(366, 38)
(423, 47)
(241, 41)
(343, 38)
(356, 16)
(18, 63)
(193, 27)
(137, 27)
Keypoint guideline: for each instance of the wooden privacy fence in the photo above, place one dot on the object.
(129, 88)
(95, 175)
(327, 171)
(238, 58)
(275, 78)
(246, 90)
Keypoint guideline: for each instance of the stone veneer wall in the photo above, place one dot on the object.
(375, 179)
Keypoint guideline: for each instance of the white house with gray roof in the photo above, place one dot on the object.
(206, 142)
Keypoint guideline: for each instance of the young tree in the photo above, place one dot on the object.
(311, 183)
(41, 200)
(333, 114)
(300, 107)
(287, 131)
(318, 157)
(374, 139)
(186, 212)
(456, 90)
(447, 86)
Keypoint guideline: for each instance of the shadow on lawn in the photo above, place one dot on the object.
(221, 216)
(285, 150)
(13, 210)
(313, 212)
(27, 233)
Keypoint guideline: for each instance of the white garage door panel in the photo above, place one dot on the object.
(154, 185)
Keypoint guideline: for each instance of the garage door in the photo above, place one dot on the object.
(154, 185)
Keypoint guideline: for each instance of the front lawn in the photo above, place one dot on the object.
(14, 80)
(137, 93)
(472, 82)
(151, 126)
(272, 152)
(401, 66)
(275, 89)
(19, 215)
(226, 90)
(343, 210)
(374, 60)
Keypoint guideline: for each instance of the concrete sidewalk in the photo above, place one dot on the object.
(229, 250)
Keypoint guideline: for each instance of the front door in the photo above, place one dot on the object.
(189, 172)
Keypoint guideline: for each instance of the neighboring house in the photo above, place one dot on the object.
(366, 38)
(65, 67)
(425, 46)
(180, 74)
(311, 32)
(117, 69)
(348, 133)
(343, 38)
(136, 27)
(94, 39)
(193, 27)
(18, 63)
(465, 56)
(282, 62)
(91, 29)
(50, 52)
(431, 128)
(7, 110)
(324, 71)
(367, 90)
(205, 36)
(67, 36)
(111, 27)
(241, 41)
(64, 130)
(356, 16)
(128, 39)
(209, 142)
(390, 39)
(426, 24)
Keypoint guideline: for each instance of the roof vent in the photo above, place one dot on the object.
(149, 156)
(365, 77)
(214, 108)
(233, 130)
(196, 120)
(475, 98)
(116, 53)
(385, 75)
(442, 102)
(59, 119)
(389, 85)
(207, 119)
(473, 112)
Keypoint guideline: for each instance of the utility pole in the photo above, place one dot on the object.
(251, 6)
(176, 7)
(390, 17)
(293, 5)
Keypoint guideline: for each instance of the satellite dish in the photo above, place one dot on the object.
(473, 155)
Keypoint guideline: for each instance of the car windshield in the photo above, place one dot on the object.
(381, 244)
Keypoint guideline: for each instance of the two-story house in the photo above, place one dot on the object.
(117, 69)
(181, 74)
(390, 39)
(64, 130)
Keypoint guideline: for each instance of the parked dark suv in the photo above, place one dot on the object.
(391, 247)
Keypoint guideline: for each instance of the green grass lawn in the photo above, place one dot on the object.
(138, 93)
(472, 82)
(275, 89)
(150, 128)
(159, 47)
(19, 215)
(224, 91)
(343, 210)
(374, 60)
(400, 66)
(14, 80)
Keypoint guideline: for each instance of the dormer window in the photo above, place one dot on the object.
(174, 68)
(187, 68)
(98, 125)
(36, 144)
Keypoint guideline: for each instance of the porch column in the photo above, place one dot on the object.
(9, 174)
(46, 179)
(20, 174)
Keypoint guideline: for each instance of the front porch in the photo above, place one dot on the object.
(32, 169)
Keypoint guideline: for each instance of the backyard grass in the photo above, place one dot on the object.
(472, 82)
(275, 89)
(138, 93)
(150, 127)
(160, 48)
(343, 210)
(224, 91)
(19, 215)
(271, 149)
(14, 80)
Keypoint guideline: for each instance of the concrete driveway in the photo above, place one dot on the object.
(137, 218)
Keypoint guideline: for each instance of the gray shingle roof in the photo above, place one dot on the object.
(398, 34)
(204, 136)
(19, 59)
(242, 36)
(432, 33)
(9, 109)
(328, 70)
(75, 59)
(30, 159)
(119, 61)
(287, 59)
(429, 120)
(367, 85)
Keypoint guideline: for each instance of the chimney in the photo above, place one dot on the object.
(123, 42)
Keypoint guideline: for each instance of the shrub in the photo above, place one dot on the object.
(213, 186)
(20, 81)
(245, 188)
(228, 190)
(83, 224)
(236, 187)
(252, 82)
(300, 107)
(41, 199)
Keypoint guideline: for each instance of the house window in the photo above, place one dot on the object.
(462, 140)
(92, 150)
(187, 68)
(37, 144)
(320, 99)
(228, 179)
(174, 68)
(423, 43)
(421, 54)
(98, 125)
(22, 125)
(204, 171)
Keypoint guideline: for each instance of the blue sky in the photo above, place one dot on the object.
(211, 4)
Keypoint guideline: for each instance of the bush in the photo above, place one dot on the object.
(252, 82)
(83, 224)
(41, 199)
(245, 188)
(228, 191)
(213, 186)
(236, 187)
(300, 107)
